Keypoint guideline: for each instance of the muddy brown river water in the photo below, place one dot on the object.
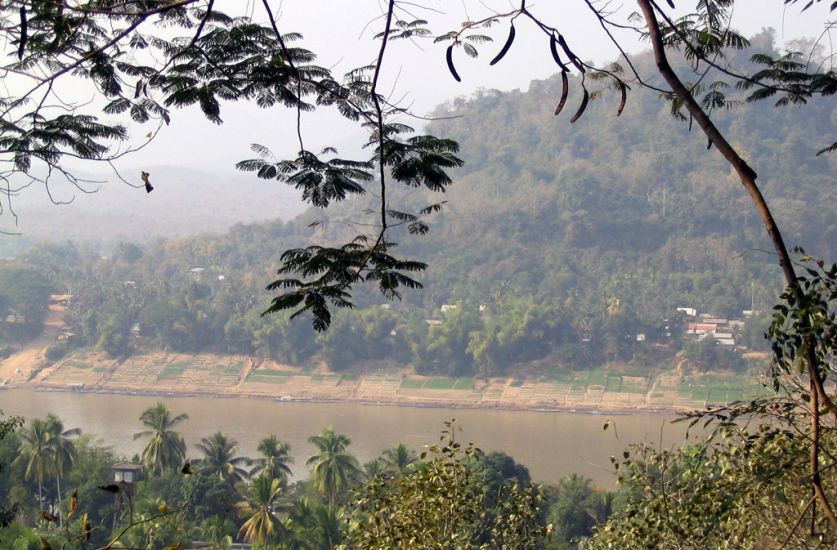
(550, 444)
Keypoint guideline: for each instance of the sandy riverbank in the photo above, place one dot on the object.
(171, 374)
(578, 408)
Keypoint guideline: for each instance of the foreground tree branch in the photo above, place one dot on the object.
(748, 179)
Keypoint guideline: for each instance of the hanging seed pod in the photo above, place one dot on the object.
(709, 144)
(624, 90)
(451, 68)
(73, 506)
(583, 106)
(86, 528)
(47, 516)
(670, 3)
(565, 90)
(24, 33)
(505, 48)
(573, 58)
(553, 48)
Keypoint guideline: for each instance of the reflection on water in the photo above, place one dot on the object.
(550, 444)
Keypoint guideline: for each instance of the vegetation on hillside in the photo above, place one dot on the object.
(555, 244)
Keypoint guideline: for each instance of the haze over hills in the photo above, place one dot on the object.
(184, 202)
(558, 240)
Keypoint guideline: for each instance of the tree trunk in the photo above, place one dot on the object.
(748, 179)
(58, 487)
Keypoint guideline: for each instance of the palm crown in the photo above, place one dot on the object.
(165, 448)
(332, 467)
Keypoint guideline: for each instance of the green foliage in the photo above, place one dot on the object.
(262, 525)
(275, 459)
(481, 500)
(443, 503)
(398, 459)
(333, 468)
(745, 491)
(748, 486)
(165, 449)
(24, 294)
(219, 459)
(707, 355)
(9, 508)
(808, 325)
(571, 511)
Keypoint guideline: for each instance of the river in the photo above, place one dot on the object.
(550, 444)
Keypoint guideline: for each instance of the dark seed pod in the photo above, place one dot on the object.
(48, 517)
(573, 58)
(565, 90)
(583, 106)
(624, 90)
(505, 48)
(451, 68)
(670, 3)
(553, 48)
(709, 144)
(138, 89)
(24, 33)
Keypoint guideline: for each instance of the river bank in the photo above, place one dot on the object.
(580, 408)
(595, 391)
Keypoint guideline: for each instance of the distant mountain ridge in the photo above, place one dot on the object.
(184, 202)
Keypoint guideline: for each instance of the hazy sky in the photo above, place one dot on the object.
(341, 33)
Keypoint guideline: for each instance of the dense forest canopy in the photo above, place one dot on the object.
(552, 237)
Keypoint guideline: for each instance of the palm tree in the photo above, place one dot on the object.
(263, 526)
(569, 512)
(397, 459)
(372, 469)
(219, 458)
(315, 527)
(325, 532)
(166, 448)
(333, 467)
(36, 451)
(214, 531)
(62, 447)
(274, 460)
(600, 507)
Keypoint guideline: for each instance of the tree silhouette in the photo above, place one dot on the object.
(165, 449)
(275, 458)
(219, 459)
(332, 467)
(63, 449)
(262, 526)
(36, 452)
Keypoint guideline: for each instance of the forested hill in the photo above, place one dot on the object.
(559, 241)
(634, 206)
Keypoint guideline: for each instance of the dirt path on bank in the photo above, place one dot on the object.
(18, 368)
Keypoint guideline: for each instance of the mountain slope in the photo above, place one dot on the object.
(558, 241)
